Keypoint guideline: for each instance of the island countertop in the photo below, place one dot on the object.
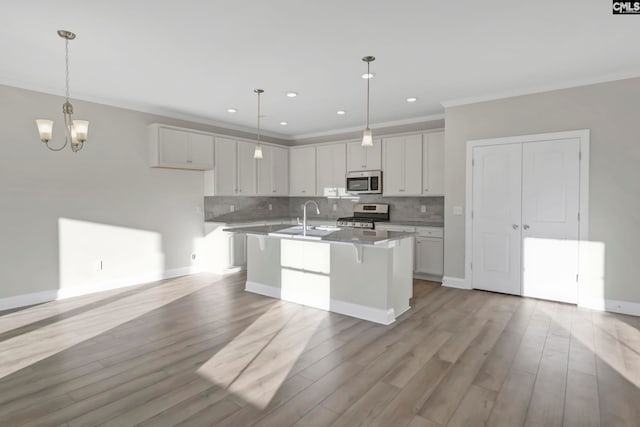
(344, 235)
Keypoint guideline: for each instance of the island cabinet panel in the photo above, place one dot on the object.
(402, 165)
(302, 171)
(361, 158)
(371, 282)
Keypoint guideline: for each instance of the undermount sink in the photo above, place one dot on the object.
(313, 232)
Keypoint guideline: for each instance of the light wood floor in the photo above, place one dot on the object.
(199, 351)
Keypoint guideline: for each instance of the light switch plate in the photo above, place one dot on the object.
(232, 208)
(423, 208)
(457, 210)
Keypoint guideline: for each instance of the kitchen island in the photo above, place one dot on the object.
(366, 274)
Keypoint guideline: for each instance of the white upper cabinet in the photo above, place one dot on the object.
(433, 164)
(247, 174)
(273, 177)
(222, 180)
(402, 165)
(361, 158)
(331, 167)
(302, 171)
(179, 149)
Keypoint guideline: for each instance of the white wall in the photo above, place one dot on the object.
(61, 213)
(610, 111)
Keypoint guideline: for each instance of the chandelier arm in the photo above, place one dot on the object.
(66, 141)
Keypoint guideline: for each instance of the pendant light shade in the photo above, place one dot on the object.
(367, 136)
(76, 131)
(257, 153)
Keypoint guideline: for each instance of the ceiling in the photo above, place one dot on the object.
(194, 59)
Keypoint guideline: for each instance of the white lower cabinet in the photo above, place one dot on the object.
(429, 248)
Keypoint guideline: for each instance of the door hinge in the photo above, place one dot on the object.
(579, 155)
(471, 214)
(578, 216)
(577, 278)
(473, 162)
(470, 266)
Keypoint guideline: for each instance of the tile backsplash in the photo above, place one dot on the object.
(253, 208)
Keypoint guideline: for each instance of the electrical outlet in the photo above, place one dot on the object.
(423, 208)
(270, 207)
(199, 210)
(232, 208)
(99, 265)
(457, 210)
(335, 207)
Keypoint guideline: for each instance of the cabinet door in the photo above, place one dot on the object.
(433, 164)
(364, 158)
(412, 170)
(247, 179)
(330, 170)
(393, 170)
(173, 147)
(280, 172)
(429, 256)
(265, 168)
(224, 173)
(302, 171)
(201, 151)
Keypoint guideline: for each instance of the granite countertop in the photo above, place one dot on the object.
(415, 223)
(344, 235)
(411, 223)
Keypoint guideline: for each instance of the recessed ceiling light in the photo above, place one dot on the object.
(412, 99)
(284, 123)
(292, 94)
(368, 75)
(341, 112)
(232, 110)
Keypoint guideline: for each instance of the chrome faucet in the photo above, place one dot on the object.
(304, 215)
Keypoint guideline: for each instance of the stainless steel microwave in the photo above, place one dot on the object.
(364, 182)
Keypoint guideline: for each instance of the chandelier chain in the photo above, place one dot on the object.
(66, 53)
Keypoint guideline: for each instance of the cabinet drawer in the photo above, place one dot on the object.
(389, 227)
(430, 232)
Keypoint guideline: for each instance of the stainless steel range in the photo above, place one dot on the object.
(365, 216)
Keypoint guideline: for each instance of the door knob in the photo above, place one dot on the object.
(525, 226)
(515, 226)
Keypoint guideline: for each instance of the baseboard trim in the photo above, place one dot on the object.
(455, 282)
(429, 277)
(59, 294)
(614, 306)
(265, 290)
(377, 315)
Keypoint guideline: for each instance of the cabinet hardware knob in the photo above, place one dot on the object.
(426, 190)
(515, 226)
(526, 227)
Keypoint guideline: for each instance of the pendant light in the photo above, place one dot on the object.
(367, 137)
(257, 154)
(75, 130)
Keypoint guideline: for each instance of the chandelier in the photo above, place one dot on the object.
(75, 130)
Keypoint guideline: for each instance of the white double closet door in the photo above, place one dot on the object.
(525, 218)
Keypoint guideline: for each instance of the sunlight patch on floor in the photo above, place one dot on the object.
(26, 349)
(255, 364)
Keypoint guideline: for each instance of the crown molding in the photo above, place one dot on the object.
(539, 89)
(410, 121)
(145, 108)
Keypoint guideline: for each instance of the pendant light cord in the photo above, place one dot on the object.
(258, 118)
(368, 81)
(66, 58)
